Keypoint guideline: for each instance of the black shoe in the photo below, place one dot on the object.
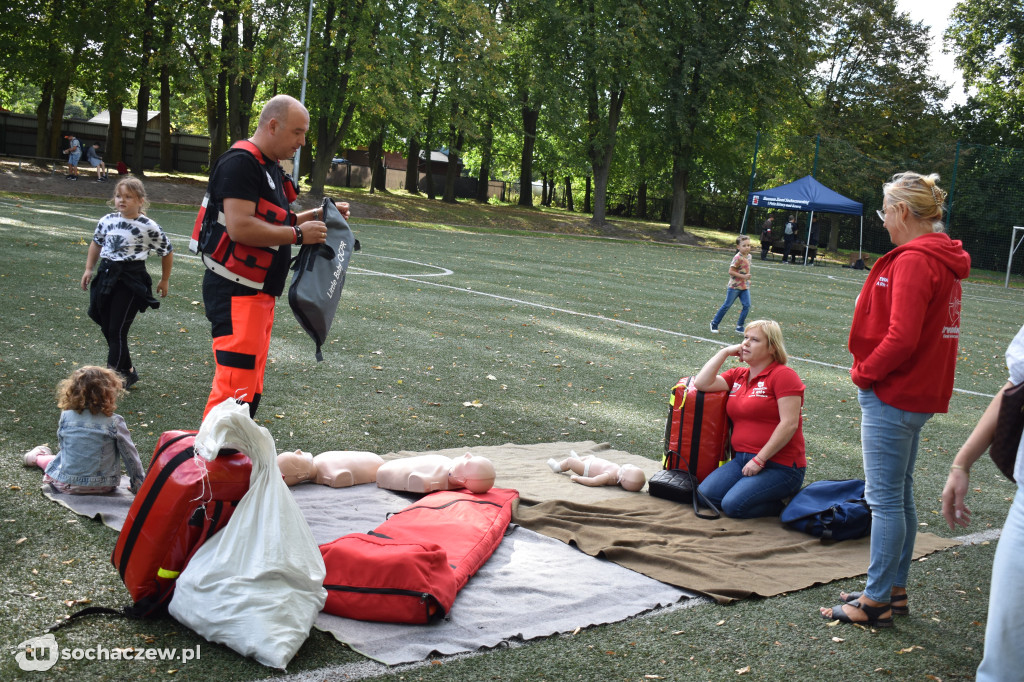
(130, 379)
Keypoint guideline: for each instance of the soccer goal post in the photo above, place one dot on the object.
(1015, 241)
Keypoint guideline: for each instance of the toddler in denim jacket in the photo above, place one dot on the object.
(91, 437)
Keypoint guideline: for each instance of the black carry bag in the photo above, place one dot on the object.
(320, 275)
(679, 485)
(830, 510)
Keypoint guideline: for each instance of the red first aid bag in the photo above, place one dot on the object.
(410, 568)
(386, 580)
(183, 501)
(697, 430)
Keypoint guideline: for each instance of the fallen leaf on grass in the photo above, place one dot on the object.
(20, 540)
(743, 671)
(838, 639)
(653, 677)
(721, 622)
(909, 649)
(472, 403)
(15, 487)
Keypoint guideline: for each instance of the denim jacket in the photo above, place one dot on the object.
(90, 445)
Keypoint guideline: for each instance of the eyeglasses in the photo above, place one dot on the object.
(881, 215)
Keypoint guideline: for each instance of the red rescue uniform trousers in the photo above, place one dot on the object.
(241, 343)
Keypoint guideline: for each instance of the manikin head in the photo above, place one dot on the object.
(296, 467)
(631, 477)
(472, 472)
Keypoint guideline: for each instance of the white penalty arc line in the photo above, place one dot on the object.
(602, 318)
(442, 271)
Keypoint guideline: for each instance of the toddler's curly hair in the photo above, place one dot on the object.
(90, 388)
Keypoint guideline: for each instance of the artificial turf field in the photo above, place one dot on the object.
(455, 338)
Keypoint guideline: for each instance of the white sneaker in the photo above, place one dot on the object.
(31, 455)
(714, 329)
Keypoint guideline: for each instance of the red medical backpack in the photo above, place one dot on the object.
(697, 430)
(183, 501)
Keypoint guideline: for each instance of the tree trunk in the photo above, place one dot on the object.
(680, 179)
(544, 189)
(166, 151)
(601, 157)
(568, 194)
(586, 197)
(412, 166)
(44, 140)
(142, 107)
(246, 88)
(375, 152)
(454, 156)
(530, 117)
(483, 179)
(115, 143)
(641, 199)
(229, 69)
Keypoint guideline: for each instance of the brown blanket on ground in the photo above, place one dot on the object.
(664, 540)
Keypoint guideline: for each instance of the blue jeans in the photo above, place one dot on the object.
(748, 497)
(889, 438)
(1004, 632)
(730, 296)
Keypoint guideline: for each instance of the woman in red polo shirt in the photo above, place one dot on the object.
(765, 399)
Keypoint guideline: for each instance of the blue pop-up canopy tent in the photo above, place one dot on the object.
(807, 195)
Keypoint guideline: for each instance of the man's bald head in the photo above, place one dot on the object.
(278, 108)
(282, 127)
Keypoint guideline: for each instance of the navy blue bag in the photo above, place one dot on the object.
(830, 510)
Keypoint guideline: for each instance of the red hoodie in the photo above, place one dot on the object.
(906, 324)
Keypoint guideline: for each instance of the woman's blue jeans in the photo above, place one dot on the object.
(730, 297)
(748, 497)
(1004, 631)
(889, 438)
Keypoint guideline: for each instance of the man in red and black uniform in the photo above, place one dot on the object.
(244, 233)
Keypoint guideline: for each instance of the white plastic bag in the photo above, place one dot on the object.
(257, 585)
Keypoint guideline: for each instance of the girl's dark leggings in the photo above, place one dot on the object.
(115, 320)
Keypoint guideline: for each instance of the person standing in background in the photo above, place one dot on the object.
(789, 237)
(74, 152)
(766, 237)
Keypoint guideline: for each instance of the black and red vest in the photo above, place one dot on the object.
(241, 263)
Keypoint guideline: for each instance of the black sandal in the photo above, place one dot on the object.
(872, 612)
(897, 601)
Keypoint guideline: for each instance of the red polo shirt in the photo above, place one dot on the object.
(754, 410)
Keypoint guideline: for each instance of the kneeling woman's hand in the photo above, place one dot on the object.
(753, 467)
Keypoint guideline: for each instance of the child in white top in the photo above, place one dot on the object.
(122, 287)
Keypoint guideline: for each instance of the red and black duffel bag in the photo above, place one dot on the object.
(183, 501)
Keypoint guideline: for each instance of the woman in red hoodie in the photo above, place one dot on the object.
(906, 325)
